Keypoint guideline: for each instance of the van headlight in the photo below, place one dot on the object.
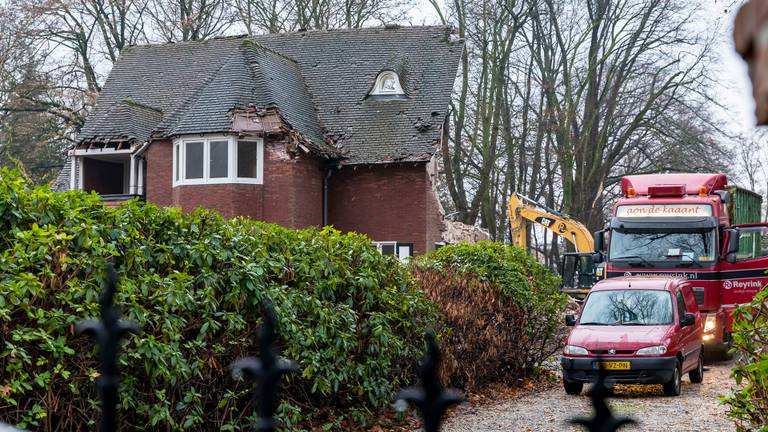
(652, 350)
(575, 350)
(710, 323)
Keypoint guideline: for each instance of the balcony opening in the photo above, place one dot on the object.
(107, 174)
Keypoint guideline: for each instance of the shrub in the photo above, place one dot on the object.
(194, 282)
(502, 308)
(748, 405)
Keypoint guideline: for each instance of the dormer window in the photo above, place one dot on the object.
(387, 84)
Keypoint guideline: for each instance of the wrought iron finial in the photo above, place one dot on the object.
(265, 371)
(108, 332)
(603, 419)
(431, 399)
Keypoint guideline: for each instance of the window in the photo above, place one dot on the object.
(176, 168)
(217, 160)
(387, 83)
(247, 159)
(194, 160)
(402, 250)
(753, 243)
(628, 307)
(681, 248)
(681, 310)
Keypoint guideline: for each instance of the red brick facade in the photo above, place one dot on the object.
(388, 202)
(292, 193)
(392, 202)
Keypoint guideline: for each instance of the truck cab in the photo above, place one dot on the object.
(691, 226)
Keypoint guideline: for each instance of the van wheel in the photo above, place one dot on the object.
(697, 375)
(572, 388)
(675, 385)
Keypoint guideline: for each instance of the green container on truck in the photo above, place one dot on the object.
(744, 206)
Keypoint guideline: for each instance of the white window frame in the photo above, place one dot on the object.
(378, 87)
(179, 161)
(397, 246)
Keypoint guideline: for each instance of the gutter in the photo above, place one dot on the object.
(141, 149)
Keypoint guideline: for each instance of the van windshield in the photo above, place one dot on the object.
(628, 307)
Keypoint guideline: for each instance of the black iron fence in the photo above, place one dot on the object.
(430, 398)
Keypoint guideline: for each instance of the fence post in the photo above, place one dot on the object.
(108, 331)
(602, 419)
(431, 399)
(265, 371)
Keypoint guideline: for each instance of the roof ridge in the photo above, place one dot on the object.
(251, 37)
(386, 27)
(189, 42)
(251, 43)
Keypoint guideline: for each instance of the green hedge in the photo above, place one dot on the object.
(748, 405)
(194, 282)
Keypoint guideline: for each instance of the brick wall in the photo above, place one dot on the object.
(293, 188)
(434, 216)
(158, 184)
(390, 202)
(290, 196)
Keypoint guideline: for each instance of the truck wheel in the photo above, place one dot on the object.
(572, 388)
(675, 385)
(697, 375)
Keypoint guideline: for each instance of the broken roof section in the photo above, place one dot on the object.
(317, 82)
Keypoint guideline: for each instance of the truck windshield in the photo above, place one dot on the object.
(628, 307)
(686, 248)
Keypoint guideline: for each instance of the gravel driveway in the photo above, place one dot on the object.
(698, 408)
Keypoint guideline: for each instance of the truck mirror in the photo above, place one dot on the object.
(733, 245)
(687, 320)
(570, 320)
(597, 257)
(599, 239)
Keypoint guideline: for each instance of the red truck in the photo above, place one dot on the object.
(693, 226)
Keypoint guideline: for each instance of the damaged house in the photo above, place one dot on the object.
(301, 129)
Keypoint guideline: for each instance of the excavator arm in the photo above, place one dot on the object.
(523, 210)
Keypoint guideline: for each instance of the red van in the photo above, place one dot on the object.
(638, 331)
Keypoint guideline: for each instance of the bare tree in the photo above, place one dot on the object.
(189, 20)
(273, 16)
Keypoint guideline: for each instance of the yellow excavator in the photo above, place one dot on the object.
(577, 268)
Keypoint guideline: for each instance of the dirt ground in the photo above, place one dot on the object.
(697, 409)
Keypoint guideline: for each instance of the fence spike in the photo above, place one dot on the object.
(431, 399)
(265, 371)
(602, 419)
(108, 332)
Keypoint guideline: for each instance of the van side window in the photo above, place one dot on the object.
(681, 310)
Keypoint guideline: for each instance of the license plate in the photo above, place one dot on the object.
(612, 365)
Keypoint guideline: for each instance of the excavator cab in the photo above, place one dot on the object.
(579, 273)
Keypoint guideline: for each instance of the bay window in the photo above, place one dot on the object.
(216, 160)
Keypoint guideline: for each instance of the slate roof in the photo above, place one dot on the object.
(318, 81)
